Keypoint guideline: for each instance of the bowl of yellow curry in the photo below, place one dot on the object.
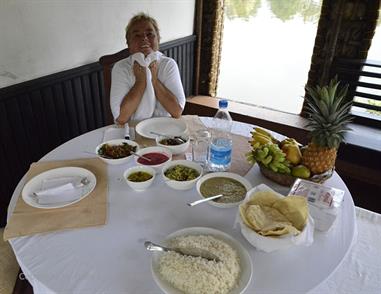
(139, 177)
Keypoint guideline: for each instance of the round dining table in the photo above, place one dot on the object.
(112, 258)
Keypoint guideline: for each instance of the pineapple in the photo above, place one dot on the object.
(328, 114)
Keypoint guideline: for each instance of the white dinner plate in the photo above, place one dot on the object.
(245, 259)
(163, 125)
(35, 184)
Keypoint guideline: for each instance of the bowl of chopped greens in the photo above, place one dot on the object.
(181, 174)
(139, 177)
(117, 151)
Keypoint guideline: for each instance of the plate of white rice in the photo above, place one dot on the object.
(175, 273)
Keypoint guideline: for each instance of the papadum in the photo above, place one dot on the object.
(270, 215)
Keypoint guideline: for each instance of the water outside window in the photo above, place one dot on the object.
(266, 51)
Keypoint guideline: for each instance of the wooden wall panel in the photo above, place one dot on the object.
(182, 50)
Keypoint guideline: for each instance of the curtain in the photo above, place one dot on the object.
(211, 15)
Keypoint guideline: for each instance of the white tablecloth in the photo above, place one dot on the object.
(112, 259)
(360, 271)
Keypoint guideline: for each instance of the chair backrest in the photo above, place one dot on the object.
(107, 62)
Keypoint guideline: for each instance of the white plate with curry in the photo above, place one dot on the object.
(233, 186)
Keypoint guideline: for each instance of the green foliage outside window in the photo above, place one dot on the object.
(282, 9)
(374, 103)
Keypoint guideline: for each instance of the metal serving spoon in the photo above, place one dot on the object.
(195, 252)
(205, 200)
(179, 139)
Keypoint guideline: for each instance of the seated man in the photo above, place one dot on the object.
(147, 83)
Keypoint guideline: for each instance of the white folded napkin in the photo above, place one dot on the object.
(58, 190)
(148, 102)
(114, 132)
(119, 132)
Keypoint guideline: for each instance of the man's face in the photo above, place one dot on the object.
(142, 38)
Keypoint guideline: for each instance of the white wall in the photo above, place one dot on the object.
(41, 37)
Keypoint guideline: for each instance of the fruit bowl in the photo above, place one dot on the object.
(285, 161)
(281, 179)
(287, 180)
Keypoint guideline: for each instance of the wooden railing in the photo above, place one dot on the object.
(364, 79)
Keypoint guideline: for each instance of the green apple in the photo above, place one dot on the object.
(301, 171)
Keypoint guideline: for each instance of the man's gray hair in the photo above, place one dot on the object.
(142, 17)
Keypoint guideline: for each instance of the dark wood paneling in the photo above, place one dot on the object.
(182, 50)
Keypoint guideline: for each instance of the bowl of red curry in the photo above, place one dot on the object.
(154, 157)
(118, 151)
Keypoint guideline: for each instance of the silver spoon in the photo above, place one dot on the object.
(177, 138)
(83, 182)
(141, 156)
(195, 252)
(205, 200)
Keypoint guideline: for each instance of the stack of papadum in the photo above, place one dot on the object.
(273, 216)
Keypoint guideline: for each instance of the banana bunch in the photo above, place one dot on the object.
(271, 156)
(261, 137)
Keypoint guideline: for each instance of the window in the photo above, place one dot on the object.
(266, 52)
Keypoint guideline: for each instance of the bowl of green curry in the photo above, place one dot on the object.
(181, 174)
(232, 186)
(139, 177)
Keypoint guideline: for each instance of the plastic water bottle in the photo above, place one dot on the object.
(220, 152)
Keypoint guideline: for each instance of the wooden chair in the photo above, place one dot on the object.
(107, 62)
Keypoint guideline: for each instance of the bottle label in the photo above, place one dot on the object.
(221, 151)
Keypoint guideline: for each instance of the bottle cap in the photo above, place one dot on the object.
(223, 103)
